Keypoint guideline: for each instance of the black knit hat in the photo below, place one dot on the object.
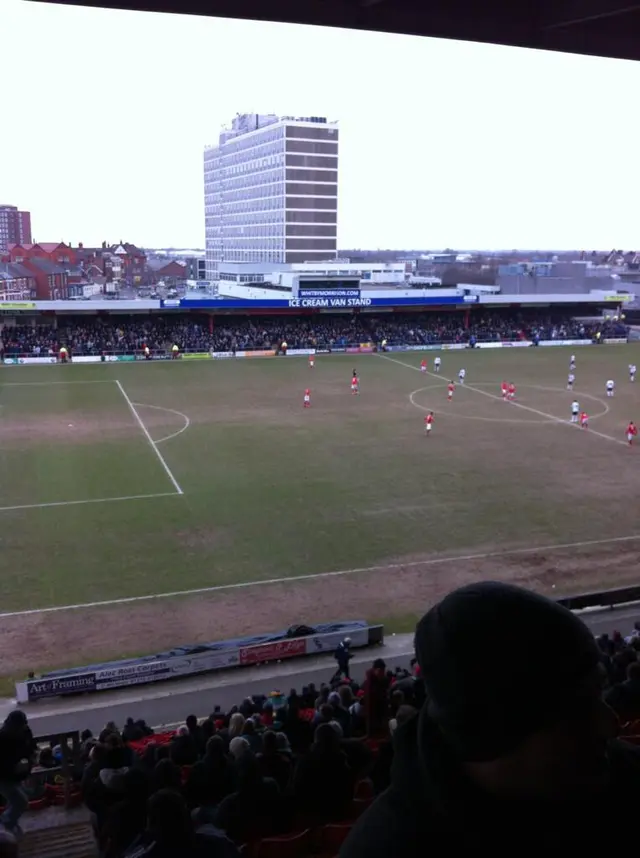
(500, 662)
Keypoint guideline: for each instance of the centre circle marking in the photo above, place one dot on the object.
(540, 421)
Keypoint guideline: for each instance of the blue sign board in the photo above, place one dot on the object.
(304, 302)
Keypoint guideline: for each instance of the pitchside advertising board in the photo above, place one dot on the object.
(107, 677)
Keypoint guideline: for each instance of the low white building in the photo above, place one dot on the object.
(262, 279)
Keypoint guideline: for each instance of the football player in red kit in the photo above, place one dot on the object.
(504, 387)
(632, 431)
(584, 420)
(450, 388)
(512, 392)
(428, 423)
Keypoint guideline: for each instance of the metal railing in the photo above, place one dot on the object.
(70, 761)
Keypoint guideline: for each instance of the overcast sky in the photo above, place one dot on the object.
(441, 143)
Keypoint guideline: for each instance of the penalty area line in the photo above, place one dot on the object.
(240, 585)
(86, 501)
(152, 443)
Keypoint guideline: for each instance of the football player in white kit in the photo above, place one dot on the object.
(632, 372)
(572, 362)
(570, 380)
(610, 386)
(575, 411)
(461, 375)
(436, 364)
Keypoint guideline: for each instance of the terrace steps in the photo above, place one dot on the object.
(56, 833)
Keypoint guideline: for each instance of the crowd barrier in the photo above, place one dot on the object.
(201, 658)
(360, 348)
(602, 599)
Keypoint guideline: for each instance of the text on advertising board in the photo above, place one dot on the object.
(271, 651)
(330, 302)
(328, 293)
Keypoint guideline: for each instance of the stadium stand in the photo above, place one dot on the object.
(127, 334)
(295, 775)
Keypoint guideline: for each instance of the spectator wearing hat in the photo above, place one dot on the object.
(514, 741)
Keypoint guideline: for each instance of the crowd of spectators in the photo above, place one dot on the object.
(503, 717)
(193, 332)
(429, 329)
(270, 765)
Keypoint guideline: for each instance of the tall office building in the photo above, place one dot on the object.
(271, 191)
(15, 226)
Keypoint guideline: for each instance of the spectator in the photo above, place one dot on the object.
(170, 833)
(376, 687)
(126, 819)
(255, 808)
(184, 750)
(323, 783)
(103, 780)
(381, 769)
(274, 764)
(624, 698)
(340, 714)
(211, 779)
(132, 732)
(249, 733)
(236, 725)
(238, 747)
(167, 776)
(196, 733)
(298, 731)
(526, 748)
(17, 751)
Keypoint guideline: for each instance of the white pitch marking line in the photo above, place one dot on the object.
(238, 585)
(48, 383)
(550, 417)
(187, 421)
(152, 443)
(83, 502)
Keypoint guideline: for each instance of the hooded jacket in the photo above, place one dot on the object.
(431, 806)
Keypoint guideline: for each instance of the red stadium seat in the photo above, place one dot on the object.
(358, 807)
(364, 789)
(291, 846)
(332, 837)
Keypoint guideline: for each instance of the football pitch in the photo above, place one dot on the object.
(144, 506)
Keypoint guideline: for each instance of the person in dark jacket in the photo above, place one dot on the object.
(170, 833)
(17, 750)
(342, 656)
(514, 746)
(273, 764)
(323, 781)
(255, 808)
(624, 698)
(125, 820)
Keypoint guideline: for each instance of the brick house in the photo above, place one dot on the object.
(51, 278)
(118, 263)
(171, 272)
(17, 283)
(56, 252)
